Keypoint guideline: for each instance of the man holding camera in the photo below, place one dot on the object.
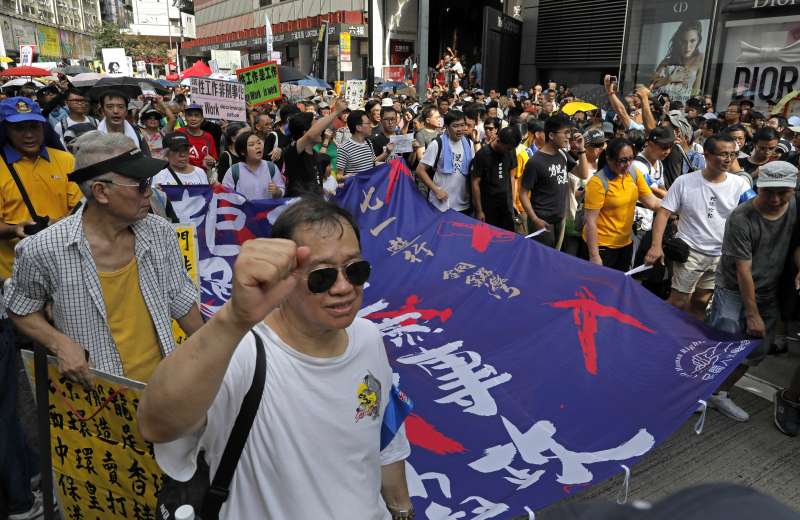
(34, 191)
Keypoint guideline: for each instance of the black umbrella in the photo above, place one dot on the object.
(591, 93)
(131, 87)
(289, 74)
(72, 70)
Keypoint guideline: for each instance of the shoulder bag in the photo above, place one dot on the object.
(205, 495)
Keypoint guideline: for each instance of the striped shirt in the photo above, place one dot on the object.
(353, 157)
(57, 265)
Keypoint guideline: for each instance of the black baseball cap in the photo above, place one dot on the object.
(176, 141)
(132, 164)
(662, 136)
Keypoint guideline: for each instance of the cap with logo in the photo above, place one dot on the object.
(19, 109)
(132, 164)
(176, 141)
(777, 174)
(594, 136)
(661, 136)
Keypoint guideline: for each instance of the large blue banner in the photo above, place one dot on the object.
(533, 374)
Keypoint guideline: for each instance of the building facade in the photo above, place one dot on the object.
(162, 20)
(59, 29)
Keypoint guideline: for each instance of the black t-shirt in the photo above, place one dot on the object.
(748, 166)
(547, 178)
(269, 145)
(673, 166)
(303, 175)
(378, 142)
(494, 170)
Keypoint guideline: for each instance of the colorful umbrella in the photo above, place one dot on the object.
(198, 70)
(16, 72)
(577, 106)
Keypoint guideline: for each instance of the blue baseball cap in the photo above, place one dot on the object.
(18, 109)
(194, 106)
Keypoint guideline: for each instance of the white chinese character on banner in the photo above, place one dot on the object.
(468, 380)
(401, 327)
(536, 446)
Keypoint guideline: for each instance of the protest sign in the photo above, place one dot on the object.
(291, 91)
(220, 99)
(187, 240)
(261, 83)
(402, 143)
(115, 62)
(504, 423)
(102, 467)
(354, 91)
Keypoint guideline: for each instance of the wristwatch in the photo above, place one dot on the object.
(402, 514)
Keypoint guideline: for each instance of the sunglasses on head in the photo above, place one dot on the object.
(322, 279)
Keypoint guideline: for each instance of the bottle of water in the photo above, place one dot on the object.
(185, 512)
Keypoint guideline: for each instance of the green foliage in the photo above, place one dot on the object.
(110, 36)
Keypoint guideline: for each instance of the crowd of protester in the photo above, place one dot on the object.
(707, 197)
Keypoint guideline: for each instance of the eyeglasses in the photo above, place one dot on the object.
(79, 101)
(624, 160)
(141, 187)
(322, 279)
(725, 155)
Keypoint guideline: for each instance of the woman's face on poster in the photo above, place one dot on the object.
(688, 43)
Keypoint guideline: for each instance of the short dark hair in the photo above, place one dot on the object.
(509, 136)
(715, 125)
(287, 111)
(766, 133)
(710, 146)
(427, 111)
(534, 125)
(370, 104)
(312, 210)
(112, 94)
(615, 146)
(179, 98)
(453, 116)
(354, 119)
(299, 124)
(72, 91)
(554, 124)
(240, 144)
(738, 127)
(386, 110)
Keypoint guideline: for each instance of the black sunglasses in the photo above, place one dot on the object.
(141, 187)
(322, 279)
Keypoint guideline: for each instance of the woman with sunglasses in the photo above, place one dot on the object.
(609, 204)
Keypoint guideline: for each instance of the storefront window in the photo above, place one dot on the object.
(667, 46)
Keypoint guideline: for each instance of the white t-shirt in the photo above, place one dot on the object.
(312, 451)
(454, 183)
(703, 208)
(196, 176)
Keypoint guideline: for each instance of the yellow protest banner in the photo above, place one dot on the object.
(102, 467)
(187, 240)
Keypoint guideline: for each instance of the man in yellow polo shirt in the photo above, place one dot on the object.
(43, 174)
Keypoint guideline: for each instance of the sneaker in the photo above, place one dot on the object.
(726, 406)
(36, 511)
(787, 415)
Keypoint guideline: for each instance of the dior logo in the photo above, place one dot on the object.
(758, 4)
(681, 7)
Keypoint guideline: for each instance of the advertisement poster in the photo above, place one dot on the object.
(9, 41)
(673, 47)
(760, 62)
(227, 60)
(67, 44)
(24, 33)
(115, 62)
(49, 44)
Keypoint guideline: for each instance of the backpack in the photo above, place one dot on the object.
(273, 169)
(580, 218)
(432, 169)
(92, 121)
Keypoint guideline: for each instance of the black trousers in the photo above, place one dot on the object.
(498, 213)
(619, 258)
(548, 238)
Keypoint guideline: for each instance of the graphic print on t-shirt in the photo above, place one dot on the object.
(368, 395)
(712, 206)
(457, 162)
(559, 171)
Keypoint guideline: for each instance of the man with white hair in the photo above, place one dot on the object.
(113, 272)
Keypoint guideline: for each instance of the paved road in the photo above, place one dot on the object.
(753, 454)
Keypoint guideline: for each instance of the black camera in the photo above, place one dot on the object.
(39, 224)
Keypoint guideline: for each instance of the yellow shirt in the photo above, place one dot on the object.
(49, 189)
(522, 159)
(615, 221)
(130, 322)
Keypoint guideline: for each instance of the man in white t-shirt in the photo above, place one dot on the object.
(703, 200)
(314, 447)
(448, 187)
(178, 170)
(78, 107)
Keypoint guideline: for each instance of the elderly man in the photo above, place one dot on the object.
(113, 272)
(32, 176)
(294, 296)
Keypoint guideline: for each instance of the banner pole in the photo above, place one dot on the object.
(43, 427)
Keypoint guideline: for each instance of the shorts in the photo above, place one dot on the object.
(727, 314)
(697, 272)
